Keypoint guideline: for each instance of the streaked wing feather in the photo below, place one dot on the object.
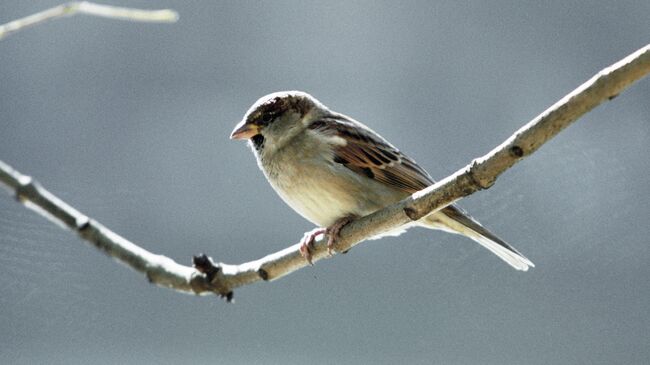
(367, 153)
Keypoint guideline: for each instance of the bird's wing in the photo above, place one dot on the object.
(367, 153)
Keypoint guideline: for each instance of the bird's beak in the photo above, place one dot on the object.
(244, 131)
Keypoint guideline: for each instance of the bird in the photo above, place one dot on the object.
(332, 169)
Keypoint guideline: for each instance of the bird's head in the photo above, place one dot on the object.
(276, 118)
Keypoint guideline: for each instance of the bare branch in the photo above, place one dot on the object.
(222, 278)
(88, 8)
(159, 269)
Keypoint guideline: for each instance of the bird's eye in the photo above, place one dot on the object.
(267, 117)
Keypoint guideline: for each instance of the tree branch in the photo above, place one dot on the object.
(221, 279)
(88, 8)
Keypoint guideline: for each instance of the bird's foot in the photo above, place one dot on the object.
(307, 242)
(334, 232)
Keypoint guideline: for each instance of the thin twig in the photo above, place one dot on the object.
(88, 8)
(480, 174)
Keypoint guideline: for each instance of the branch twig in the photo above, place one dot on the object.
(88, 8)
(222, 278)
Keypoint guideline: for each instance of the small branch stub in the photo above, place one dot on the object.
(204, 264)
(263, 274)
(517, 151)
(412, 214)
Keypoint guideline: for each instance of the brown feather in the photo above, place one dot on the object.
(368, 154)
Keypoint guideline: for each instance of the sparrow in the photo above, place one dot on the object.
(332, 169)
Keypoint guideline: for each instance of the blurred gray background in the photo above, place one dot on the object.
(129, 123)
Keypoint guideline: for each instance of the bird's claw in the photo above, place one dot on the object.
(308, 242)
(333, 234)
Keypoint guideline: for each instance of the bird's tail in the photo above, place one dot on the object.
(454, 220)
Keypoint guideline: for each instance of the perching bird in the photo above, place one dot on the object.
(332, 169)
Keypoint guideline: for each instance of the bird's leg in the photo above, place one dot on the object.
(307, 242)
(333, 231)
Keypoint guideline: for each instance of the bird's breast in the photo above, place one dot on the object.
(321, 190)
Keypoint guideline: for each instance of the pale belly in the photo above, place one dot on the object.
(327, 193)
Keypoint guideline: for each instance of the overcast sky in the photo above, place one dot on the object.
(129, 123)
